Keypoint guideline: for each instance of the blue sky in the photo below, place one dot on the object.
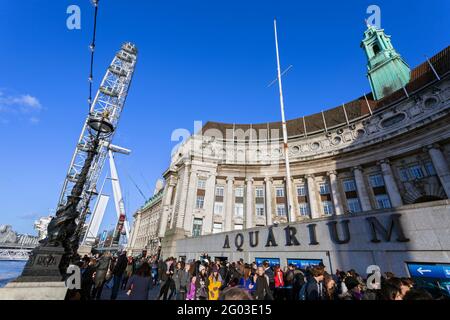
(198, 60)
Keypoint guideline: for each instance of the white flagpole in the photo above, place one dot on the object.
(290, 213)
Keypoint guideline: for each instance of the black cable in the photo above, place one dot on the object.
(92, 47)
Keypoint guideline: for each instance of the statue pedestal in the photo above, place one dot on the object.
(43, 265)
(34, 291)
(41, 278)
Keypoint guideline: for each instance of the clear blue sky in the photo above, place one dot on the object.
(198, 60)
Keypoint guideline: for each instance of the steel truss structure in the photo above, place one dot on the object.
(109, 99)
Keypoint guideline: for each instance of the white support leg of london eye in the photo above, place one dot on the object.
(102, 201)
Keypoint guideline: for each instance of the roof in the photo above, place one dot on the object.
(154, 199)
(421, 76)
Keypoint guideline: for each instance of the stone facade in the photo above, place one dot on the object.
(144, 234)
(388, 156)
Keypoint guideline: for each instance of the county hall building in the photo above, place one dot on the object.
(370, 179)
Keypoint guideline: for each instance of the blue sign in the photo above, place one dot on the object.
(304, 263)
(430, 270)
(272, 261)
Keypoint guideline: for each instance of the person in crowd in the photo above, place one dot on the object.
(314, 286)
(192, 290)
(167, 283)
(390, 291)
(235, 293)
(117, 272)
(201, 284)
(330, 289)
(417, 294)
(406, 286)
(299, 281)
(214, 283)
(87, 278)
(181, 278)
(247, 281)
(129, 270)
(262, 290)
(353, 287)
(342, 288)
(155, 272)
(289, 282)
(278, 283)
(102, 267)
(270, 274)
(140, 283)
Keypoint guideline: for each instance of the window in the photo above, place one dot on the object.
(281, 210)
(217, 227)
(260, 209)
(239, 192)
(324, 188)
(238, 227)
(303, 208)
(218, 208)
(201, 184)
(376, 49)
(349, 185)
(259, 192)
(429, 168)
(219, 191)
(279, 192)
(239, 209)
(383, 201)
(403, 174)
(416, 172)
(327, 207)
(376, 180)
(301, 190)
(197, 227)
(200, 202)
(353, 205)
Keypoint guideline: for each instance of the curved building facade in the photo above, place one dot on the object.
(383, 156)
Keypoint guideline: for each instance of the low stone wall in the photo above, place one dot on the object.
(388, 238)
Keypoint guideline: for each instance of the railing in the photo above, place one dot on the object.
(14, 254)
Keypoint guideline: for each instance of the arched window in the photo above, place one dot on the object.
(376, 49)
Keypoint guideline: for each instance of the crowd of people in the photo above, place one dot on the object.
(205, 279)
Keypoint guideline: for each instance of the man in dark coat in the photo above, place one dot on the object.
(314, 286)
(262, 291)
(119, 269)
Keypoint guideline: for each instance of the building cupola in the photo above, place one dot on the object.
(386, 70)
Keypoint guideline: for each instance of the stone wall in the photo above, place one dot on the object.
(423, 235)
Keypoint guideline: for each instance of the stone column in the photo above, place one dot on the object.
(190, 202)
(183, 196)
(268, 196)
(336, 195)
(249, 203)
(229, 205)
(209, 203)
(361, 188)
(134, 232)
(166, 207)
(441, 166)
(391, 185)
(312, 199)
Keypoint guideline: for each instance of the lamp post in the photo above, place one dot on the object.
(49, 261)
